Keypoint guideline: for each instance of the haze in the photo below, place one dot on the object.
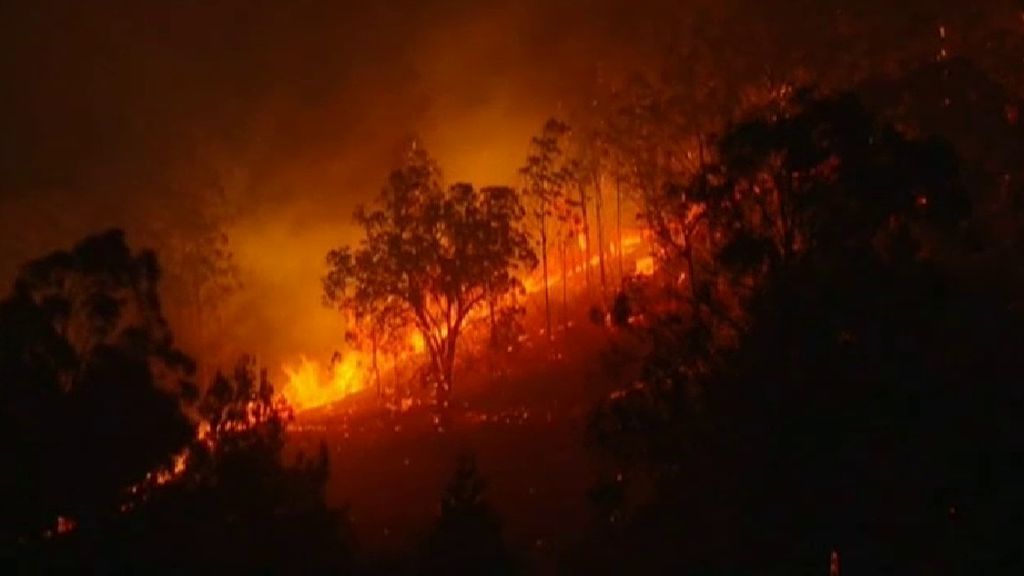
(120, 113)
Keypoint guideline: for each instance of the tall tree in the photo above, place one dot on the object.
(580, 178)
(567, 224)
(434, 255)
(546, 174)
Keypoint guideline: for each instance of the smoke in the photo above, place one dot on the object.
(130, 114)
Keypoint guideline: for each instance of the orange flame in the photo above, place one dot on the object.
(417, 342)
(645, 266)
(310, 386)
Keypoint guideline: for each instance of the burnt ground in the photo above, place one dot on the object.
(526, 428)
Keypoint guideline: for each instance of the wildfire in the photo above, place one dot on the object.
(632, 243)
(310, 386)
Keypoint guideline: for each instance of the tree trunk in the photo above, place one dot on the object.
(544, 266)
(376, 370)
(586, 232)
(494, 348)
(490, 311)
(565, 284)
(598, 203)
(394, 369)
(447, 373)
(618, 224)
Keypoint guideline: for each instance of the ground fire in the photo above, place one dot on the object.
(309, 384)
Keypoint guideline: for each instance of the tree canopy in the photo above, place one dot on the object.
(843, 414)
(113, 460)
(432, 255)
(92, 384)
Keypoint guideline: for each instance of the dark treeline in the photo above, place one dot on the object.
(115, 462)
(838, 374)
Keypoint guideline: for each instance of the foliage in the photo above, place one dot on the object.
(92, 385)
(870, 402)
(815, 176)
(239, 506)
(114, 464)
(826, 176)
(546, 170)
(431, 255)
(467, 536)
(547, 173)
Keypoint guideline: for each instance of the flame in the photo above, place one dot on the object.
(310, 386)
(417, 343)
(631, 242)
(645, 266)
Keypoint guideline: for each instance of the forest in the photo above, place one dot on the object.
(742, 291)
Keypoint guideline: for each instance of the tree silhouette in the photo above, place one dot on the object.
(115, 464)
(590, 159)
(869, 405)
(92, 385)
(239, 506)
(546, 173)
(235, 505)
(433, 255)
(466, 538)
(826, 176)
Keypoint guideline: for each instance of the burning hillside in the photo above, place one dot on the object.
(308, 384)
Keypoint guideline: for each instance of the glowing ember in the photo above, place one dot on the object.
(310, 386)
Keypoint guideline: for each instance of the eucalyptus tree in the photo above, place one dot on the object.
(432, 255)
(546, 174)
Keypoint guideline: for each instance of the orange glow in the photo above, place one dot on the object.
(645, 266)
(310, 386)
(175, 470)
(630, 242)
(417, 343)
